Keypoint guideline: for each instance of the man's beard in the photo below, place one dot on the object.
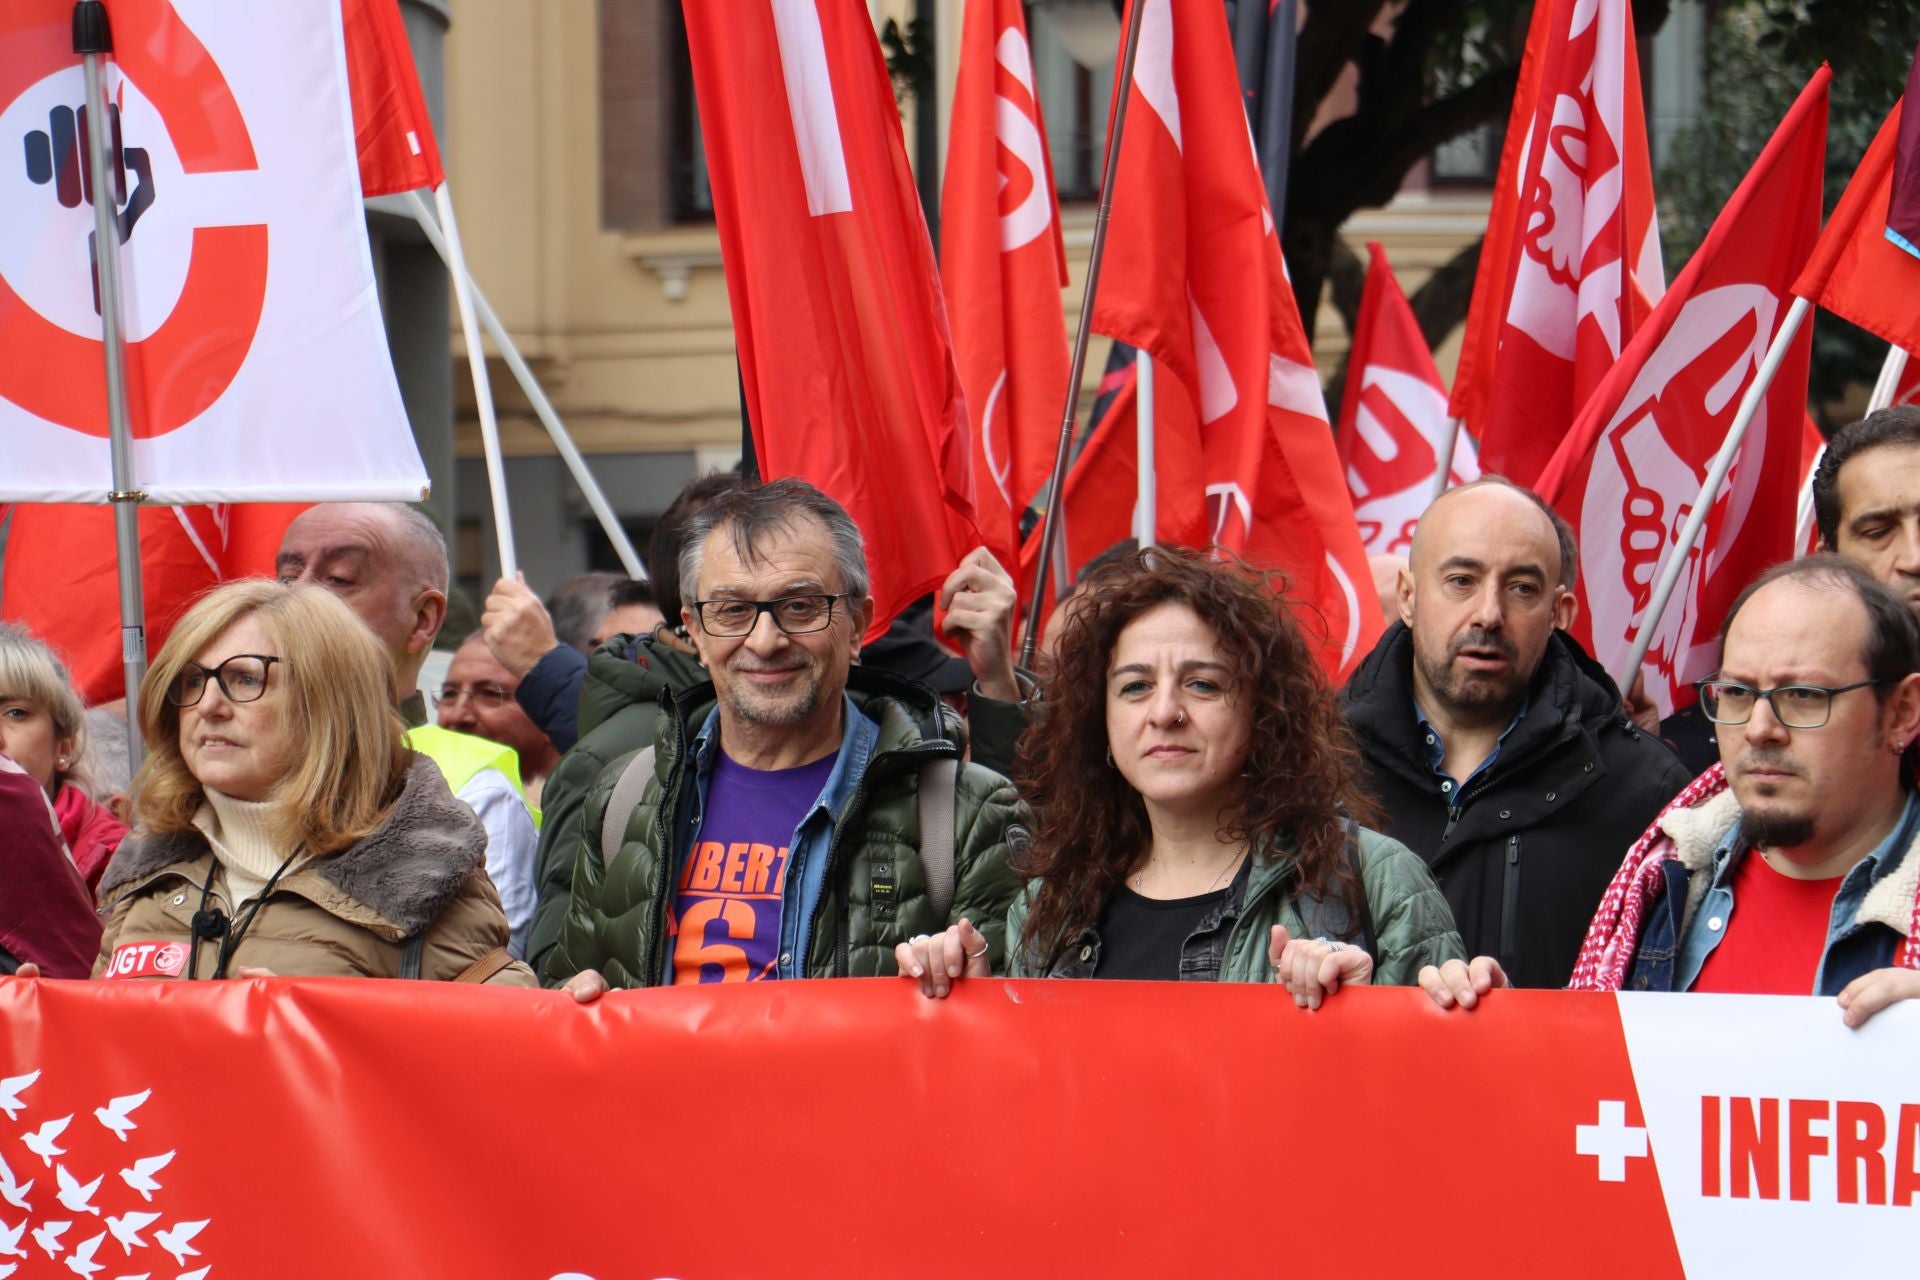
(1471, 692)
(754, 705)
(1763, 828)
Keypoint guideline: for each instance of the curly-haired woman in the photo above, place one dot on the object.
(1193, 792)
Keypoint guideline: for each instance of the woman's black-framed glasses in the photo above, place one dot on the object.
(242, 678)
(1797, 706)
(795, 615)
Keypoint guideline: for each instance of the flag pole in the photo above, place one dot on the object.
(1056, 486)
(1676, 560)
(93, 40)
(1887, 385)
(1440, 481)
(542, 407)
(1146, 508)
(482, 385)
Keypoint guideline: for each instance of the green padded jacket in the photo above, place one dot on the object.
(875, 890)
(1409, 920)
(618, 706)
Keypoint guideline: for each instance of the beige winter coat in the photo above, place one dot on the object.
(422, 871)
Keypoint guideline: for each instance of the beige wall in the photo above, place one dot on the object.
(629, 331)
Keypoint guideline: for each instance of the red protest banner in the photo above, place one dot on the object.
(327, 1128)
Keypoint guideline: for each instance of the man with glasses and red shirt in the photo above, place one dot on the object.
(1796, 870)
(783, 824)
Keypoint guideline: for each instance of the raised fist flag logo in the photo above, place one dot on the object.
(256, 359)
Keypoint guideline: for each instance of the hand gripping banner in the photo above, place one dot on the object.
(330, 1128)
(256, 356)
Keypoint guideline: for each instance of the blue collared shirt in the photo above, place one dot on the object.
(812, 839)
(1454, 790)
(1715, 915)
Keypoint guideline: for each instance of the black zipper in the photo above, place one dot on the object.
(1510, 905)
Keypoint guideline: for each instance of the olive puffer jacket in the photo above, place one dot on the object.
(617, 920)
(347, 914)
(1410, 923)
(619, 704)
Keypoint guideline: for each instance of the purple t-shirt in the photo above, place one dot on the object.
(727, 905)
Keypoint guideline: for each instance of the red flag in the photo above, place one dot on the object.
(1194, 275)
(1571, 263)
(1631, 468)
(1857, 272)
(391, 126)
(1393, 419)
(847, 368)
(62, 574)
(1003, 265)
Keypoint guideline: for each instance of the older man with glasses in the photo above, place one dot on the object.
(1797, 870)
(788, 820)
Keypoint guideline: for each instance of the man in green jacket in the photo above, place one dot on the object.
(777, 828)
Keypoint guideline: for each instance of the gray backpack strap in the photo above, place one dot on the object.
(410, 953)
(935, 794)
(632, 784)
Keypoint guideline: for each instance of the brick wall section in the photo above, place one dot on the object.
(635, 113)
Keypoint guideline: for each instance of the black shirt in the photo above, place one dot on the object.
(1140, 938)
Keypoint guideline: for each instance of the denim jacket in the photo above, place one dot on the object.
(1871, 911)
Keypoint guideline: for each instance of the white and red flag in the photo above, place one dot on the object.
(1629, 472)
(845, 358)
(257, 361)
(1194, 276)
(1003, 265)
(1571, 264)
(1393, 418)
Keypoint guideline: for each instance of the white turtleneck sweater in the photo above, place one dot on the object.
(240, 834)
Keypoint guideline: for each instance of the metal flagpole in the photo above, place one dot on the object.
(482, 387)
(542, 406)
(1887, 385)
(1050, 525)
(93, 40)
(1440, 481)
(1146, 512)
(1716, 476)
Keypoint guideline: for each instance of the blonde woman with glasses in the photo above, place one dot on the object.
(282, 827)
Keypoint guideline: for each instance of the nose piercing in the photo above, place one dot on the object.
(1180, 716)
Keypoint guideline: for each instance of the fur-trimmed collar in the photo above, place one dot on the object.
(395, 882)
(1698, 831)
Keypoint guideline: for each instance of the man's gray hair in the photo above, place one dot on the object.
(423, 543)
(751, 512)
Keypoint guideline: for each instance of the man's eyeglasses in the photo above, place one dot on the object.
(795, 615)
(1797, 706)
(242, 678)
(485, 694)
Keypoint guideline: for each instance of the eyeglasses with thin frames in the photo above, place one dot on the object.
(1796, 706)
(242, 678)
(485, 694)
(795, 615)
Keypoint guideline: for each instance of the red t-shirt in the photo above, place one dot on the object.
(1775, 937)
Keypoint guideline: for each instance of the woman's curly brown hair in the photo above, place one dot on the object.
(1090, 826)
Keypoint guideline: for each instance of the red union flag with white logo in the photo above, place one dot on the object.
(1572, 259)
(256, 357)
(1003, 265)
(1393, 418)
(1194, 276)
(844, 352)
(1629, 472)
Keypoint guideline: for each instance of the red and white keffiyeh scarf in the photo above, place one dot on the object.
(1614, 935)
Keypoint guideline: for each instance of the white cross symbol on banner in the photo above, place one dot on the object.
(1613, 1140)
(816, 123)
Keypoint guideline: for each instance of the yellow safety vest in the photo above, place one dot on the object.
(461, 757)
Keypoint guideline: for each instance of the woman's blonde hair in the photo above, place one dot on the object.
(33, 673)
(333, 684)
